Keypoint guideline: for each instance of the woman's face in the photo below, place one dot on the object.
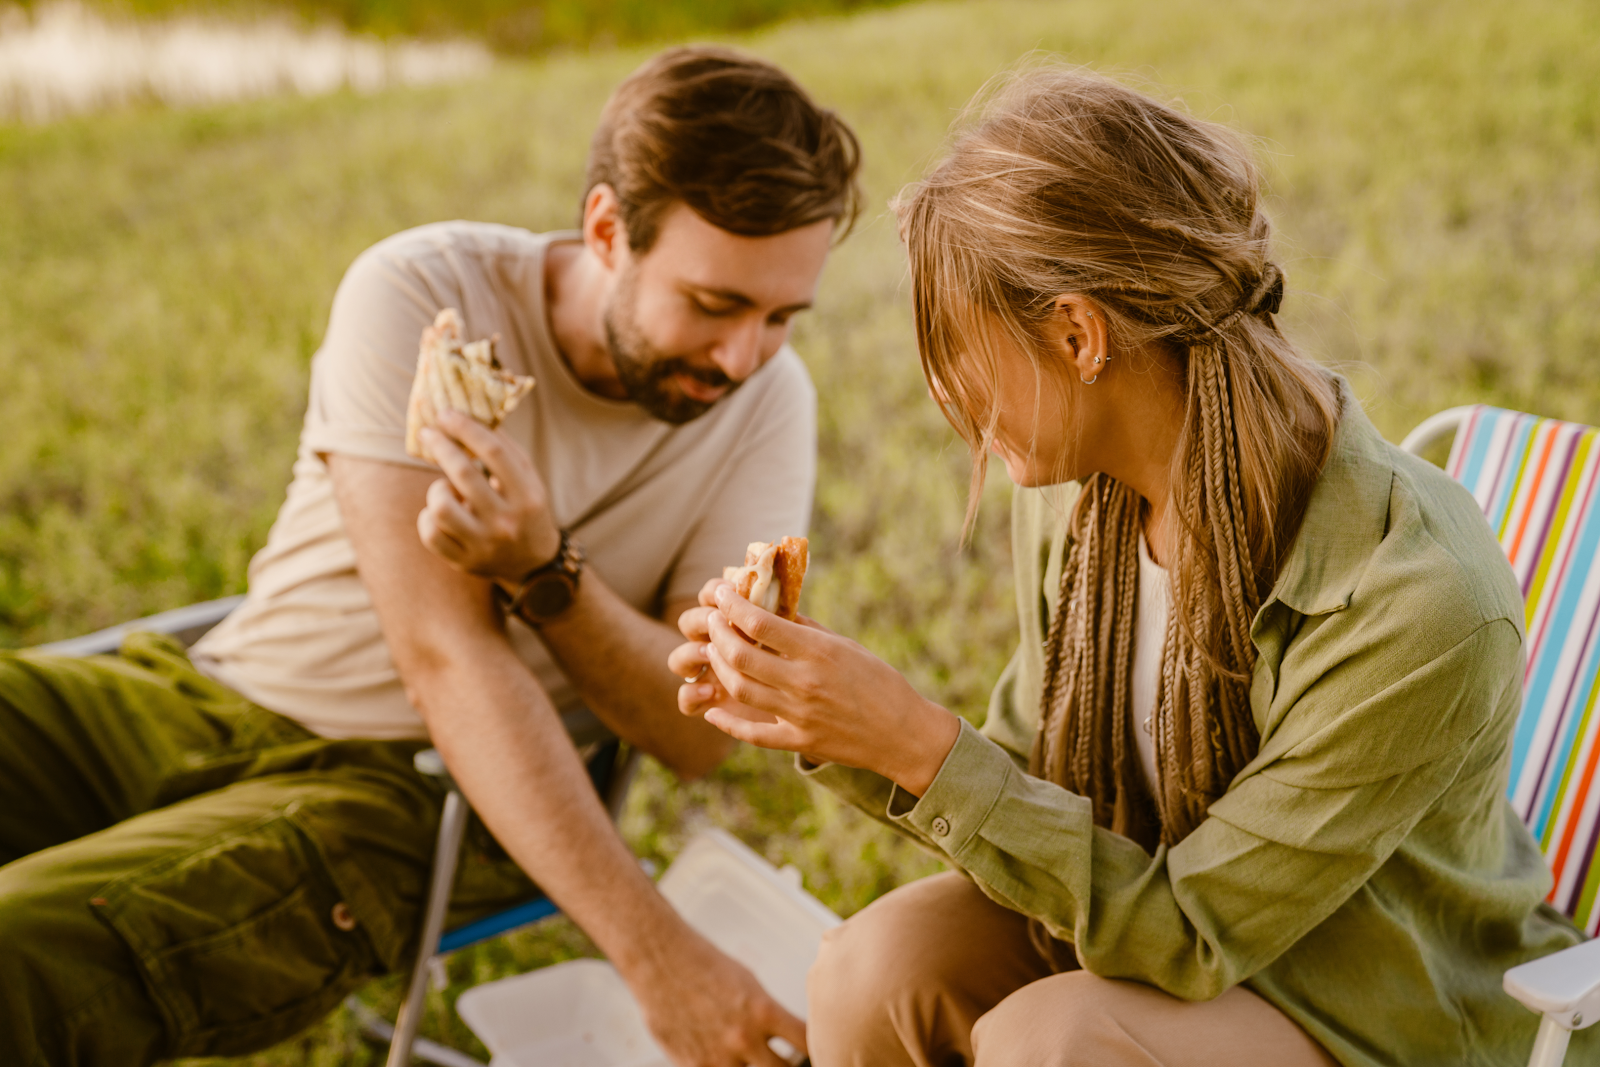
(1037, 432)
(1083, 406)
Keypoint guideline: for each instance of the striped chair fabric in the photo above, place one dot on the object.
(1536, 481)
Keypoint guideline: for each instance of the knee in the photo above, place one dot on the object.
(55, 945)
(1058, 1020)
(69, 990)
(875, 969)
(861, 967)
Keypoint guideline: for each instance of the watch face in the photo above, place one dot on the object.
(549, 596)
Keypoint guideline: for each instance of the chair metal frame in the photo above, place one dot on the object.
(611, 768)
(1564, 987)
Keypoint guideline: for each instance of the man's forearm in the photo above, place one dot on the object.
(498, 732)
(617, 658)
(505, 747)
(497, 525)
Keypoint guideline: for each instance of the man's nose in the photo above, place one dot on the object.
(738, 353)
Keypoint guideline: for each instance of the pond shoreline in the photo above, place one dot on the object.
(64, 59)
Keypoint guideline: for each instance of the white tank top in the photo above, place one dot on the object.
(1149, 640)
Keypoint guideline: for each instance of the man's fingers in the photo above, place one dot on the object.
(462, 472)
(790, 1028)
(502, 459)
(761, 1055)
(776, 1021)
(436, 540)
(450, 515)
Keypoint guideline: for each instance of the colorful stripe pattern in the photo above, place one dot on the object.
(1536, 482)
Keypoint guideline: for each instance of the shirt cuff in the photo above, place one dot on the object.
(964, 792)
(864, 789)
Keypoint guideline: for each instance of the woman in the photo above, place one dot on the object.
(1239, 796)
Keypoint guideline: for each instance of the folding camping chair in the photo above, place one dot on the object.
(1538, 482)
(611, 766)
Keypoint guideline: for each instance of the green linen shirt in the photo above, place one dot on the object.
(1365, 872)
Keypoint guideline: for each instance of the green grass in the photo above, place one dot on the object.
(164, 279)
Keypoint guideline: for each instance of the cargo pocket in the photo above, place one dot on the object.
(243, 940)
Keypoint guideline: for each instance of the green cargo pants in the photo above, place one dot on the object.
(183, 873)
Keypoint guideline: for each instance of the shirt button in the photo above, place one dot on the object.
(342, 917)
(941, 826)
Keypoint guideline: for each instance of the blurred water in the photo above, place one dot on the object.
(66, 58)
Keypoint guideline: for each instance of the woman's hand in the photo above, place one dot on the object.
(800, 687)
(492, 521)
(701, 689)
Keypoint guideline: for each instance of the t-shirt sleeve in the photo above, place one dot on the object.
(768, 489)
(361, 376)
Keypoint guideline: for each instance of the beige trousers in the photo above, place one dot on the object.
(937, 975)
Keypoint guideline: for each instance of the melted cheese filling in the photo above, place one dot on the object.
(764, 590)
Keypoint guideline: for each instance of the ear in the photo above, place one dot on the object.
(603, 232)
(1079, 329)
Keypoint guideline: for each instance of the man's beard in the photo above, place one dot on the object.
(646, 373)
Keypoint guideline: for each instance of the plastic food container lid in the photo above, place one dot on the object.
(581, 1014)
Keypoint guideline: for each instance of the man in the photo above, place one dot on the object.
(204, 862)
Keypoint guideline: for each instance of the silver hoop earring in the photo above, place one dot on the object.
(1088, 381)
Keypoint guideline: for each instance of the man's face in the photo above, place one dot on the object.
(688, 321)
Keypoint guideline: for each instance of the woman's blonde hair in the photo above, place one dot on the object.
(1064, 181)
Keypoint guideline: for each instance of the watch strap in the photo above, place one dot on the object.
(565, 567)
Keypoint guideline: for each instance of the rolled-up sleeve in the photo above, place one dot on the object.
(1301, 830)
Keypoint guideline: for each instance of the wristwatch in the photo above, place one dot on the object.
(548, 590)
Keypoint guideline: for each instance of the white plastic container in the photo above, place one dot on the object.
(580, 1013)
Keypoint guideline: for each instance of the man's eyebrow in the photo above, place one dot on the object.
(733, 296)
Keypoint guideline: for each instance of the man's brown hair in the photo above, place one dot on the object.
(731, 136)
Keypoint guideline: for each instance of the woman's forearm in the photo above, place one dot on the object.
(914, 762)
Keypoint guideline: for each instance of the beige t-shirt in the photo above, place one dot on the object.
(658, 508)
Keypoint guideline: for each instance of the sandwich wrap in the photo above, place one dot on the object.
(453, 376)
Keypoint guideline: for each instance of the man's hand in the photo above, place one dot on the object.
(705, 1010)
(493, 521)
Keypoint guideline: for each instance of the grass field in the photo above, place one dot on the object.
(165, 276)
